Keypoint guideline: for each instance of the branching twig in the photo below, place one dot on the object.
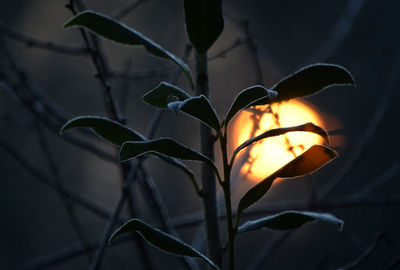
(70, 193)
(365, 254)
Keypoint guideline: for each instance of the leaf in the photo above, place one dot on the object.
(204, 22)
(160, 240)
(164, 146)
(308, 162)
(308, 127)
(200, 108)
(113, 30)
(289, 220)
(248, 96)
(106, 128)
(310, 80)
(163, 94)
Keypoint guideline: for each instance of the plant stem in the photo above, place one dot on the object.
(226, 185)
(208, 178)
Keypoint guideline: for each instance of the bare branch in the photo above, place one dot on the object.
(39, 44)
(126, 9)
(68, 192)
(339, 32)
(365, 254)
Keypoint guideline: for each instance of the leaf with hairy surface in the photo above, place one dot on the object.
(164, 146)
(248, 96)
(198, 107)
(311, 160)
(289, 220)
(310, 80)
(106, 128)
(308, 127)
(163, 94)
(160, 240)
(113, 30)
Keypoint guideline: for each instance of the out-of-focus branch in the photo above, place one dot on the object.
(166, 70)
(57, 183)
(365, 254)
(269, 249)
(39, 44)
(68, 192)
(362, 142)
(340, 31)
(126, 9)
(99, 62)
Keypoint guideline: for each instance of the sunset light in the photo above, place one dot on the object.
(270, 154)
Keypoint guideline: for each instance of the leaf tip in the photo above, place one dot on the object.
(340, 225)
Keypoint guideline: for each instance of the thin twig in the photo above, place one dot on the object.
(269, 249)
(365, 254)
(361, 145)
(126, 9)
(57, 183)
(166, 70)
(68, 192)
(340, 31)
(44, 45)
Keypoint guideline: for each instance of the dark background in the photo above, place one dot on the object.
(35, 222)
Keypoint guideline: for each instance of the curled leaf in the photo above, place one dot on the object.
(113, 30)
(200, 108)
(163, 146)
(308, 127)
(248, 96)
(289, 220)
(311, 160)
(163, 94)
(160, 240)
(312, 79)
(106, 128)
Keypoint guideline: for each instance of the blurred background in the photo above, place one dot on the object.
(58, 191)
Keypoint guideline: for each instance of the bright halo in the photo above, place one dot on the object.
(272, 153)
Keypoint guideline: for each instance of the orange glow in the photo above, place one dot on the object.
(272, 153)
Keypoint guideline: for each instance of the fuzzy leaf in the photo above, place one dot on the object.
(310, 80)
(164, 146)
(308, 162)
(113, 30)
(248, 96)
(160, 240)
(204, 22)
(289, 220)
(308, 127)
(163, 94)
(200, 108)
(106, 128)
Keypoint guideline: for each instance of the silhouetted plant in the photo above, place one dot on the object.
(204, 24)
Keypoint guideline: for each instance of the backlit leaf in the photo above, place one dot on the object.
(106, 128)
(204, 22)
(310, 80)
(248, 96)
(113, 30)
(289, 220)
(308, 127)
(161, 240)
(308, 162)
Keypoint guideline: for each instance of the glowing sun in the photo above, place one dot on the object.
(272, 153)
